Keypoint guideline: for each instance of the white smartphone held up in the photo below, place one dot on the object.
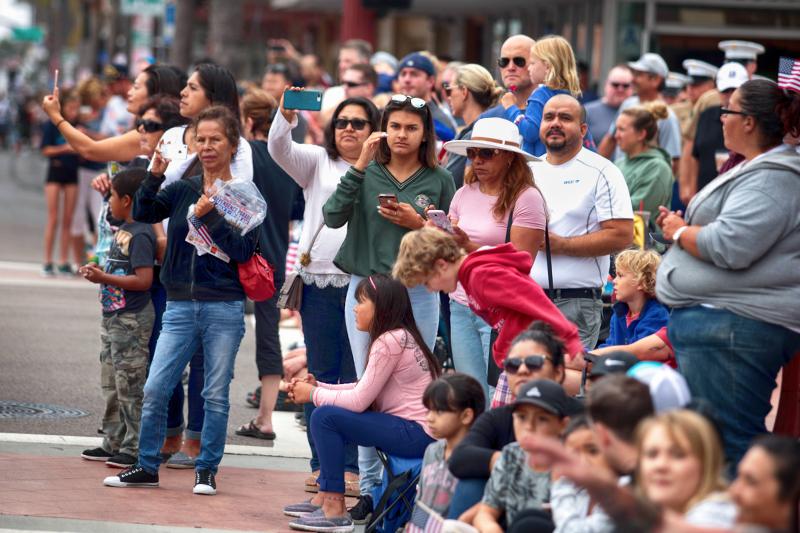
(439, 217)
(174, 151)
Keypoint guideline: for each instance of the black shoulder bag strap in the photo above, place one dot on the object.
(492, 370)
(550, 291)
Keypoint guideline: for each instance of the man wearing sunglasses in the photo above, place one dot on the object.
(359, 80)
(513, 66)
(600, 113)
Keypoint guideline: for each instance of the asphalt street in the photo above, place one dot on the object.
(49, 328)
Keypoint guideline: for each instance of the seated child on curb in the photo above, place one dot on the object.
(516, 490)
(126, 324)
(454, 402)
(496, 280)
(637, 313)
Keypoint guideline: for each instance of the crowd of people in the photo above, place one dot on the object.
(454, 237)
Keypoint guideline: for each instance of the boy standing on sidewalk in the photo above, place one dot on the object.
(126, 325)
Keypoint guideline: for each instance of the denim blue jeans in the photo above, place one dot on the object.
(732, 362)
(425, 306)
(328, 352)
(471, 338)
(467, 493)
(334, 427)
(187, 325)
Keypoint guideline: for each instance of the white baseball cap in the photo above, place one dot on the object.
(731, 76)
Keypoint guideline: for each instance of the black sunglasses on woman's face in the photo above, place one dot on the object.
(357, 123)
(484, 153)
(149, 126)
(531, 362)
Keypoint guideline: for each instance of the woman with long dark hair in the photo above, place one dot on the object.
(381, 198)
(383, 409)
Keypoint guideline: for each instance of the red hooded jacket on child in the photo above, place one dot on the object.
(501, 291)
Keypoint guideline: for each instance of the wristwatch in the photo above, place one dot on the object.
(677, 235)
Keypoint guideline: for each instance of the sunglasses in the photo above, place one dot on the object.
(484, 153)
(353, 84)
(532, 362)
(726, 111)
(357, 123)
(620, 85)
(518, 61)
(447, 88)
(416, 103)
(149, 126)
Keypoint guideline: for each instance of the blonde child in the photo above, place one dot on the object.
(637, 313)
(553, 71)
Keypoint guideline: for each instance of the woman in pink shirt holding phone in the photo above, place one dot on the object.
(498, 192)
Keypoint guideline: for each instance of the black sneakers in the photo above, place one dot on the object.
(121, 460)
(361, 512)
(97, 454)
(135, 476)
(204, 482)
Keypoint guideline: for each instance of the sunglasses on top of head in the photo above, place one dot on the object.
(149, 126)
(531, 362)
(357, 123)
(484, 153)
(518, 61)
(416, 103)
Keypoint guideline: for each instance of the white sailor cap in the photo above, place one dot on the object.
(676, 81)
(699, 70)
(731, 76)
(741, 50)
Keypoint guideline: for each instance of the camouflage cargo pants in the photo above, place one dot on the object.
(123, 371)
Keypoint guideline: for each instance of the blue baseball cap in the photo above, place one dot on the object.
(418, 61)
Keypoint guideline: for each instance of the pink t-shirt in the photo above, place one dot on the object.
(396, 376)
(473, 209)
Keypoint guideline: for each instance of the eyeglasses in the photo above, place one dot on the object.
(726, 111)
(357, 123)
(532, 362)
(518, 61)
(353, 84)
(484, 153)
(416, 103)
(149, 126)
(620, 85)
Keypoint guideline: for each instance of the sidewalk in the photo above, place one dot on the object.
(48, 487)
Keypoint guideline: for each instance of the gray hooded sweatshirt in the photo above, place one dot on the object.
(749, 244)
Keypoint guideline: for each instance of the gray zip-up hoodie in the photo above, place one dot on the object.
(749, 244)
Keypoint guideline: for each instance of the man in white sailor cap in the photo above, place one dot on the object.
(674, 87)
(744, 52)
(703, 95)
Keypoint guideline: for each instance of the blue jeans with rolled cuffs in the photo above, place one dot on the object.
(187, 325)
(425, 306)
(732, 362)
(335, 427)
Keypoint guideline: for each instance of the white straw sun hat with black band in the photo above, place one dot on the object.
(492, 133)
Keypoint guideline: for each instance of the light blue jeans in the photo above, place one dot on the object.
(216, 326)
(425, 306)
(470, 338)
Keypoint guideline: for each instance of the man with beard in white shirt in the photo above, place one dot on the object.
(590, 216)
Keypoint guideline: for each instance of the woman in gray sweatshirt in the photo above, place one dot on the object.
(733, 272)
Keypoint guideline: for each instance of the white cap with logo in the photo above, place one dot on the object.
(731, 76)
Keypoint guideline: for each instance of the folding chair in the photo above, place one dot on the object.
(395, 496)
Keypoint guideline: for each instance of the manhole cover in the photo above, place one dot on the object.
(11, 409)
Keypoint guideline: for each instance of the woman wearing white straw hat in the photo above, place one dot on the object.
(499, 202)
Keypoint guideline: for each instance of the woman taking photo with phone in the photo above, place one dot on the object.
(498, 203)
(398, 160)
(317, 170)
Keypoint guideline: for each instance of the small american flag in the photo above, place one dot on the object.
(789, 74)
(202, 230)
(424, 520)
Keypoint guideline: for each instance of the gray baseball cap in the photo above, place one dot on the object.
(652, 63)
